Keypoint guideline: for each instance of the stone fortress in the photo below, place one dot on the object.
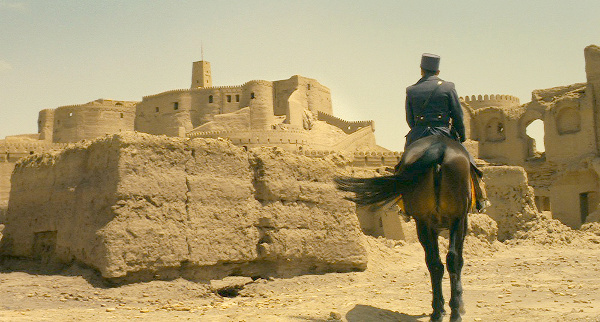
(296, 115)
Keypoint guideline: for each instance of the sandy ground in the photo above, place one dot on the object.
(503, 282)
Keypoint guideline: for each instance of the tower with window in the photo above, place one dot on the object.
(201, 75)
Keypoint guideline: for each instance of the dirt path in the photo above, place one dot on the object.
(513, 283)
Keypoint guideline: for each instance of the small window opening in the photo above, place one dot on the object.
(157, 109)
(121, 115)
(535, 132)
(237, 98)
(228, 98)
(176, 105)
(252, 95)
(210, 99)
(70, 114)
(308, 86)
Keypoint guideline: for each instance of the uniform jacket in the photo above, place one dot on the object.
(442, 115)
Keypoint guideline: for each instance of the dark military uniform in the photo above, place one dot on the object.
(432, 107)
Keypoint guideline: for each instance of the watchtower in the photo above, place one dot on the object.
(201, 76)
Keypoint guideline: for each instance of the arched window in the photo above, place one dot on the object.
(535, 134)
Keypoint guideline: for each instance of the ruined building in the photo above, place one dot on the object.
(296, 115)
(565, 176)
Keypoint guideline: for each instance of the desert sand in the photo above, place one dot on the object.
(547, 273)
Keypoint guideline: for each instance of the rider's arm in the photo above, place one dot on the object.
(409, 113)
(456, 114)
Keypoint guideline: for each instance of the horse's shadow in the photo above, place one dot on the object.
(367, 313)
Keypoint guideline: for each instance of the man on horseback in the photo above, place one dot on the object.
(433, 108)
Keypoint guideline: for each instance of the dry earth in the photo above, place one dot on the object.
(549, 273)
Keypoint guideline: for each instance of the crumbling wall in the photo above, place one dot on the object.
(6, 169)
(139, 207)
(511, 198)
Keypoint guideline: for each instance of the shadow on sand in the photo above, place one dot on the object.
(33, 267)
(366, 313)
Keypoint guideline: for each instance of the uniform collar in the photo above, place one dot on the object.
(426, 78)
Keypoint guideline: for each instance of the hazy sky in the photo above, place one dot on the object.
(55, 53)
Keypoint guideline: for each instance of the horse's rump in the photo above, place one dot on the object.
(434, 182)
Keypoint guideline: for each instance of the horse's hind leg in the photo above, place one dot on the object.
(454, 263)
(429, 240)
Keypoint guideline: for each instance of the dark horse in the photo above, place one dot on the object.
(434, 182)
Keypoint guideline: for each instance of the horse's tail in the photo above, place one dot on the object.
(387, 188)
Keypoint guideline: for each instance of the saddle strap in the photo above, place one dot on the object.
(431, 95)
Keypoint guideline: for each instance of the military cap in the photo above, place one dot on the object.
(430, 62)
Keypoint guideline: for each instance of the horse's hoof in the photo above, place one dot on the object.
(455, 317)
(437, 316)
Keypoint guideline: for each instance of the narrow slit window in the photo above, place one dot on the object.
(252, 95)
(228, 98)
(157, 109)
(175, 105)
(237, 98)
(210, 99)
(121, 115)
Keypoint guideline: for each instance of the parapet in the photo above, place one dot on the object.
(481, 101)
(346, 126)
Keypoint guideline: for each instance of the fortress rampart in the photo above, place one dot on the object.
(476, 102)
(87, 121)
(46, 124)
(346, 126)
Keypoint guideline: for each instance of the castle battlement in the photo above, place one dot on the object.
(360, 158)
(347, 126)
(486, 100)
(211, 89)
(12, 151)
(101, 102)
(194, 135)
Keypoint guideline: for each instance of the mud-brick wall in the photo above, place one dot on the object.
(512, 203)
(139, 207)
(166, 113)
(6, 169)
(58, 203)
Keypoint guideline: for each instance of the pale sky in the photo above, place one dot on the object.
(55, 53)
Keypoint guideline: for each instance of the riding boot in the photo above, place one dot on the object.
(481, 200)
